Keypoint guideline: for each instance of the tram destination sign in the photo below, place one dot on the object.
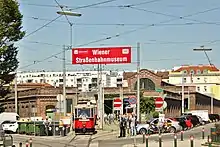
(102, 55)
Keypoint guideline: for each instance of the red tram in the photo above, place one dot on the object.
(85, 118)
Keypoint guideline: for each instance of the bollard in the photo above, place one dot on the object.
(147, 140)
(191, 141)
(27, 144)
(160, 141)
(181, 135)
(20, 144)
(210, 142)
(203, 133)
(143, 138)
(175, 140)
(30, 141)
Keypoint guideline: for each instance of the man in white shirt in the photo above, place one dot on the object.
(133, 125)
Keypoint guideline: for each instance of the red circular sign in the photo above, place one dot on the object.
(117, 102)
(159, 102)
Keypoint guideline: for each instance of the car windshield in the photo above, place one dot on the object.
(8, 122)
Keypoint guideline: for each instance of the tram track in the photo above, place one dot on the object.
(80, 141)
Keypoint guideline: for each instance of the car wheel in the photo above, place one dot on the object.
(172, 130)
(143, 131)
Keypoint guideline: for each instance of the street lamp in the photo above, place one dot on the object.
(67, 13)
(203, 49)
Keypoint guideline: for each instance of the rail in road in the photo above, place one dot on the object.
(80, 141)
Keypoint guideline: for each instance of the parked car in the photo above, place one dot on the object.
(174, 125)
(217, 118)
(182, 122)
(10, 126)
(201, 120)
(142, 128)
(212, 117)
(193, 118)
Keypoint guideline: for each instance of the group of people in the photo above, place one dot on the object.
(127, 123)
(109, 119)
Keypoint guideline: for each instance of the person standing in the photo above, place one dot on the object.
(122, 125)
(47, 124)
(133, 125)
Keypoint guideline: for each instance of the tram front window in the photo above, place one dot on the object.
(83, 113)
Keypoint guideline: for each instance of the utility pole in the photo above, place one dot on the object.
(203, 49)
(122, 99)
(16, 93)
(64, 79)
(138, 81)
(183, 94)
(100, 99)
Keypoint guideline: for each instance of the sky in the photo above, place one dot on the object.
(167, 30)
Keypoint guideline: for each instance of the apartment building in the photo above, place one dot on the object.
(204, 77)
(84, 80)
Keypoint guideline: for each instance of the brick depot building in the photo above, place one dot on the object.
(44, 96)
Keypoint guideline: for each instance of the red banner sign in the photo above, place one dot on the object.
(102, 55)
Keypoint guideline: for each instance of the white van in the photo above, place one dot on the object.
(204, 114)
(8, 120)
(9, 116)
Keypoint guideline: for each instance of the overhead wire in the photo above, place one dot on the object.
(180, 17)
(119, 24)
(95, 5)
(46, 24)
(41, 27)
(117, 35)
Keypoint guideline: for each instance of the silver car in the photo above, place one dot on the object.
(175, 127)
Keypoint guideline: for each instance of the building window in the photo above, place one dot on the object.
(198, 88)
(205, 71)
(198, 79)
(192, 72)
(205, 79)
(198, 72)
(185, 72)
(205, 88)
(184, 80)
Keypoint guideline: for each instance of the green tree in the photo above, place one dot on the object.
(10, 32)
(146, 104)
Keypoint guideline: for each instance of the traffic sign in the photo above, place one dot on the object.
(161, 118)
(117, 103)
(132, 100)
(159, 90)
(159, 102)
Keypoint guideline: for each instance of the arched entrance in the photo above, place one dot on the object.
(50, 111)
(145, 84)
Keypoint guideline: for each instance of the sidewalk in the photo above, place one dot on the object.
(68, 137)
(185, 143)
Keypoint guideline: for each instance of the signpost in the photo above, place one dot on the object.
(159, 102)
(159, 90)
(102, 55)
(99, 56)
(132, 100)
(117, 104)
(34, 110)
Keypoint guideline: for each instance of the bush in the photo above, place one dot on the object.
(155, 114)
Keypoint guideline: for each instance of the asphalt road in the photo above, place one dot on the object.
(102, 141)
(196, 132)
